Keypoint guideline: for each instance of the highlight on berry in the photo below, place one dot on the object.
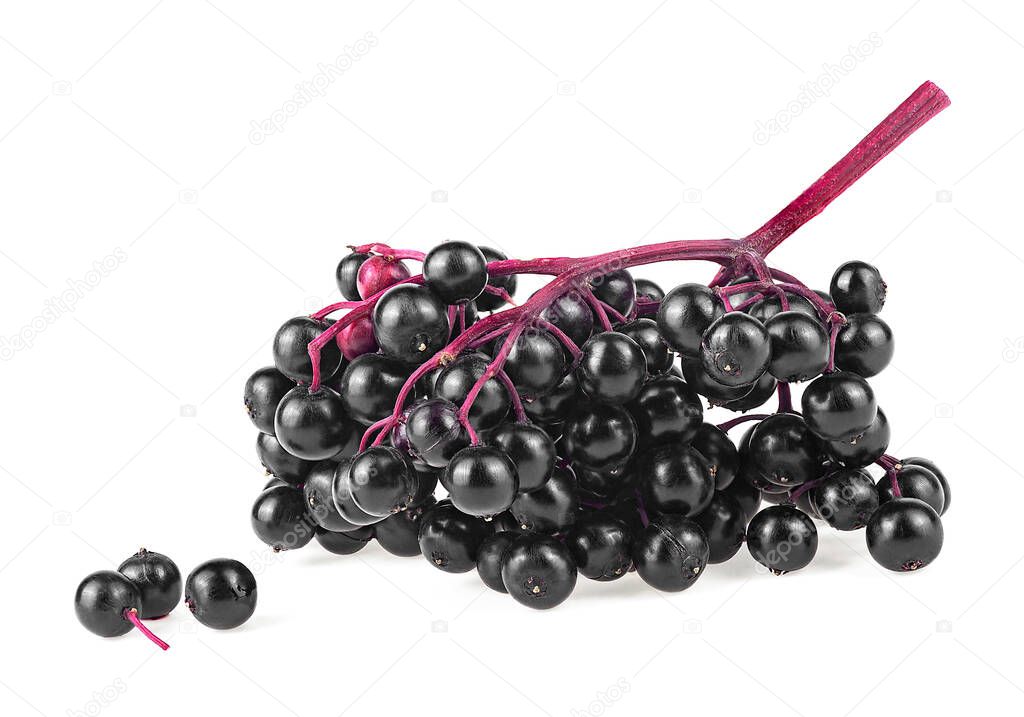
(568, 430)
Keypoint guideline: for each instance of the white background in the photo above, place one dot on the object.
(567, 129)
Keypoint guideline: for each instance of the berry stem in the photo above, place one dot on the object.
(925, 102)
(599, 310)
(785, 398)
(803, 488)
(517, 401)
(490, 372)
(389, 253)
(567, 342)
(833, 335)
(500, 293)
(732, 423)
(132, 616)
(647, 308)
(641, 510)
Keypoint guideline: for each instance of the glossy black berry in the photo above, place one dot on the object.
(263, 391)
(158, 580)
(647, 289)
(572, 314)
(489, 302)
(550, 508)
(857, 288)
(279, 462)
(291, 350)
(410, 323)
(647, 336)
(481, 481)
(799, 346)
(434, 431)
(839, 406)
(536, 363)
(845, 499)
(602, 546)
(280, 520)
(600, 436)
(671, 553)
(782, 538)
(455, 381)
(449, 539)
(724, 522)
(347, 273)
(612, 368)
(456, 271)
(369, 387)
(538, 571)
(930, 465)
(783, 450)
(616, 288)
(736, 349)
(488, 558)
(675, 479)
(101, 601)
(530, 449)
(382, 481)
(865, 345)
(904, 535)
(312, 425)
(666, 410)
(221, 593)
(685, 314)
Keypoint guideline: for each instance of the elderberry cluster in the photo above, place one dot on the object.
(567, 436)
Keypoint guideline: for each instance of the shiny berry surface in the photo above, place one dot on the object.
(456, 271)
(158, 580)
(782, 538)
(538, 571)
(671, 553)
(685, 314)
(904, 535)
(221, 593)
(101, 601)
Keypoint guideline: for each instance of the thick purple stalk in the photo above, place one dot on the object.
(926, 102)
